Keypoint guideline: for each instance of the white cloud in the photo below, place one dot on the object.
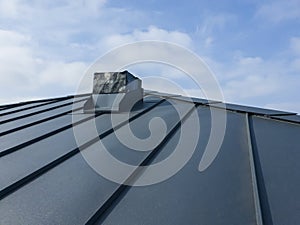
(151, 33)
(279, 10)
(260, 82)
(65, 74)
(208, 42)
(16, 61)
(157, 69)
(295, 65)
(252, 86)
(215, 22)
(250, 61)
(68, 29)
(295, 45)
(9, 9)
(209, 27)
(45, 47)
(11, 38)
(23, 8)
(48, 56)
(24, 74)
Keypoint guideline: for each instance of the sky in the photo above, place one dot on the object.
(252, 47)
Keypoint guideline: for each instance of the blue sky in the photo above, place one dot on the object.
(253, 47)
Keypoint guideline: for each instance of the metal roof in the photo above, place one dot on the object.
(45, 180)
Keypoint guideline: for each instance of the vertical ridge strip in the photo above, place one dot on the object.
(263, 212)
(258, 213)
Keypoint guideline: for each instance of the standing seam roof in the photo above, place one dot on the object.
(43, 180)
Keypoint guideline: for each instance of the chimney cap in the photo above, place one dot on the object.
(112, 82)
(115, 91)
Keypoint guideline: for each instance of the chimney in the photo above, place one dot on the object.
(114, 92)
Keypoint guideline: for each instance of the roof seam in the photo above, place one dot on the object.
(176, 97)
(29, 178)
(282, 114)
(251, 113)
(8, 106)
(14, 105)
(44, 136)
(282, 120)
(30, 107)
(258, 212)
(39, 121)
(39, 112)
(102, 212)
(261, 187)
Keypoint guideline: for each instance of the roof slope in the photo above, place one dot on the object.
(44, 179)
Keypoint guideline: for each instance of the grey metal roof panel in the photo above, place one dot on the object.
(45, 116)
(220, 195)
(37, 103)
(44, 179)
(152, 98)
(67, 194)
(16, 138)
(36, 111)
(21, 107)
(56, 135)
(34, 102)
(149, 91)
(249, 109)
(290, 118)
(127, 155)
(195, 100)
(161, 94)
(19, 164)
(277, 146)
(160, 112)
(40, 152)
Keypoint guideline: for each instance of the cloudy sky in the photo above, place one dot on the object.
(253, 47)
